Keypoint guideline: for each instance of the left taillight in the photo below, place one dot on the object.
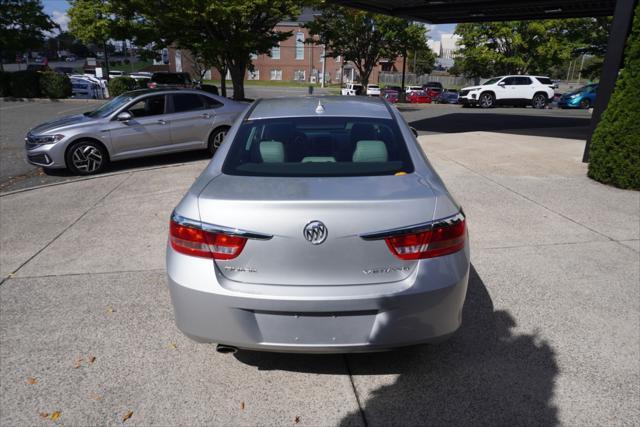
(195, 241)
(443, 238)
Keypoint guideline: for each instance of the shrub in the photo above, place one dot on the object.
(55, 85)
(24, 84)
(4, 83)
(615, 146)
(119, 85)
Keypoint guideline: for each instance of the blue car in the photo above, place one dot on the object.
(584, 98)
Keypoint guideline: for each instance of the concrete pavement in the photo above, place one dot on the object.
(550, 332)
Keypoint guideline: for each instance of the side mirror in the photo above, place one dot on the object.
(414, 131)
(124, 116)
(501, 84)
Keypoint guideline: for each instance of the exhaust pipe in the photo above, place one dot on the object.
(226, 349)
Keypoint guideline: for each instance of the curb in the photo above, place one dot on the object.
(62, 101)
(91, 177)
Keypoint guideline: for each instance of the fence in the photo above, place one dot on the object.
(395, 79)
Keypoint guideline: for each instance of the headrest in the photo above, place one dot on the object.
(272, 151)
(370, 151)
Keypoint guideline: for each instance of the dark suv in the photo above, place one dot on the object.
(166, 79)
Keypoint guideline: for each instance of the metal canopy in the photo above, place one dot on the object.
(455, 11)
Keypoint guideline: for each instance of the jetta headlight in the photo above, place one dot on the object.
(575, 95)
(45, 139)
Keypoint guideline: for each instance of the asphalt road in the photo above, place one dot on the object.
(16, 118)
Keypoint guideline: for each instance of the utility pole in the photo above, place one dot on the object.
(404, 66)
(569, 71)
(324, 64)
(581, 65)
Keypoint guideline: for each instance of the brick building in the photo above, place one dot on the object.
(292, 60)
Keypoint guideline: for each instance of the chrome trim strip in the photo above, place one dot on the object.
(218, 228)
(417, 228)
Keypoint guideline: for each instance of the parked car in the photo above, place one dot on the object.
(419, 97)
(409, 89)
(116, 73)
(141, 79)
(86, 86)
(390, 95)
(373, 90)
(319, 227)
(71, 58)
(351, 89)
(135, 124)
(584, 98)
(165, 79)
(63, 70)
(433, 89)
(509, 90)
(449, 96)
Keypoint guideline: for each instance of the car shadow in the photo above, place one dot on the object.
(521, 124)
(143, 162)
(485, 374)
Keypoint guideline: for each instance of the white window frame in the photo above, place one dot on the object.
(275, 52)
(275, 74)
(299, 46)
(255, 75)
(297, 74)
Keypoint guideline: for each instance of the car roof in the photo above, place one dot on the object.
(161, 90)
(344, 106)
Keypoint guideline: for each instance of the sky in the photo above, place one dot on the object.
(58, 8)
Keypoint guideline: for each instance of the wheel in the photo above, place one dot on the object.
(585, 104)
(86, 158)
(487, 100)
(539, 101)
(216, 138)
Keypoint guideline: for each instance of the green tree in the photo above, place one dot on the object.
(222, 33)
(513, 47)
(615, 145)
(98, 21)
(364, 38)
(421, 61)
(22, 26)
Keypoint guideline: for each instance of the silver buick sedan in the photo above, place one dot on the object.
(135, 124)
(319, 226)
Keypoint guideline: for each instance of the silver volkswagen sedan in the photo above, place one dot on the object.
(320, 226)
(135, 124)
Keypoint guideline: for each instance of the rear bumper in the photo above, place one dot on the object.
(425, 307)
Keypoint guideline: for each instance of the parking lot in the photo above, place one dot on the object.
(16, 118)
(550, 332)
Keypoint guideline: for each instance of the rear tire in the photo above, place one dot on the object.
(216, 139)
(585, 104)
(539, 101)
(487, 100)
(86, 158)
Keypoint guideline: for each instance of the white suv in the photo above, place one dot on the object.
(351, 89)
(536, 91)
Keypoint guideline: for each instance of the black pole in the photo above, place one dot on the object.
(620, 27)
(106, 60)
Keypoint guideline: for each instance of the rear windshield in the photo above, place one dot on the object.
(318, 147)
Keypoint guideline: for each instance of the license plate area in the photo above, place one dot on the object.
(315, 328)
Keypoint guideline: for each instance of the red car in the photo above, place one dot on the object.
(419, 97)
(390, 95)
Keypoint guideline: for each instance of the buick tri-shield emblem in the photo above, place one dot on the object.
(315, 232)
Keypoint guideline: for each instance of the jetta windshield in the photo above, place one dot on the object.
(111, 106)
(318, 146)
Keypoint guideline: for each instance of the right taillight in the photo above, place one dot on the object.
(443, 238)
(195, 241)
(152, 85)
